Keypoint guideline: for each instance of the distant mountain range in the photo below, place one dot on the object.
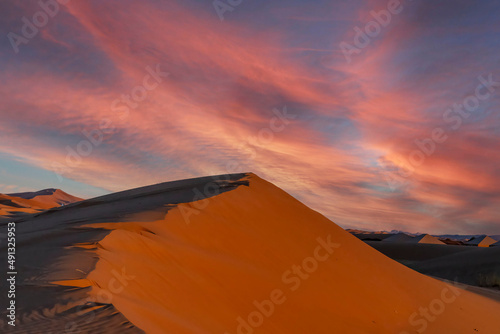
(458, 237)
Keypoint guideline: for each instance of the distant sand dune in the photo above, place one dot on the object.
(12, 205)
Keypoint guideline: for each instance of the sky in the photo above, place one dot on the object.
(381, 115)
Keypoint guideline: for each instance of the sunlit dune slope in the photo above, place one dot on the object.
(254, 259)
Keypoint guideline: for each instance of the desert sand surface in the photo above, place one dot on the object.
(476, 266)
(228, 254)
(487, 292)
(405, 251)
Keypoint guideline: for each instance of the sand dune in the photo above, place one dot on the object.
(400, 237)
(410, 252)
(52, 197)
(475, 266)
(237, 255)
(10, 205)
(30, 202)
(478, 266)
(483, 241)
(426, 239)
